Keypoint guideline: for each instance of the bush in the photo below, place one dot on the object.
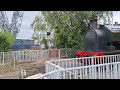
(6, 41)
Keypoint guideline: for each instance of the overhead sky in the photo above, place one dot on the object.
(116, 17)
(26, 31)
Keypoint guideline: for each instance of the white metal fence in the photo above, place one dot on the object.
(85, 61)
(23, 56)
(101, 71)
(51, 67)
(100, 67)
(50, 75)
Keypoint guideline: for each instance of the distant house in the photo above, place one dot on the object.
(23, 40)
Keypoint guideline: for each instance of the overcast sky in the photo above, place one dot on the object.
(26, 31)
(28, 17)
(116, 17)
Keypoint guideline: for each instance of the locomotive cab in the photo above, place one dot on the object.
(113, 36)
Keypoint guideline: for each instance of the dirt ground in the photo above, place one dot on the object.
(31, 68)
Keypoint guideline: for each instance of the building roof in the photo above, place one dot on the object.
(113, 28)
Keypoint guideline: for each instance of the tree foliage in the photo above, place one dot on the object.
(39, 26)
(69, 26)
(44, 41)
(6, 41)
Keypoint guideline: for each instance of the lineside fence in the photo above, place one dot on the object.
(34, 55)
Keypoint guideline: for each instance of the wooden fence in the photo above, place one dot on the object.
(61, 53)
(53, 53)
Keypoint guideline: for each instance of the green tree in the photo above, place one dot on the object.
(69, 26)
(39, 26)
(6, 41)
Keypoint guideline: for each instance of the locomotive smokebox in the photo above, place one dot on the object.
(94, 38)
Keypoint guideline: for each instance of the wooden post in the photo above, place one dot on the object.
(14, 62)
(65, 52)
(23, 74)
(3, 58)
(59, 53)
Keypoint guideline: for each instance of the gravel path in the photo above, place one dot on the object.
(31, 69)
(10, 75)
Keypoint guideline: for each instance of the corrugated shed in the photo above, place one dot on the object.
(22, 44)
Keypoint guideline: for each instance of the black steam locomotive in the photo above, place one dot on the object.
(101, 39)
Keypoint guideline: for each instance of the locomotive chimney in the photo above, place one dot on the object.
(93, 24)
